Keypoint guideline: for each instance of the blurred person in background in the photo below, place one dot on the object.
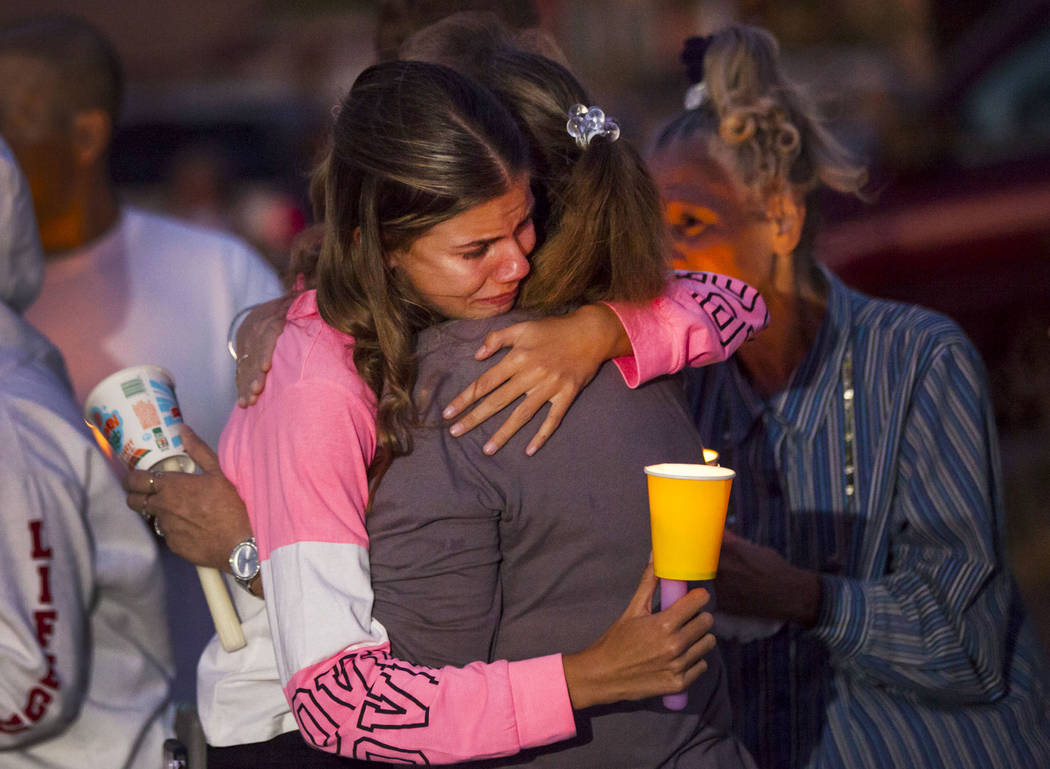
(121, 286)
(866, 537)
(85, 663)
(199, 180)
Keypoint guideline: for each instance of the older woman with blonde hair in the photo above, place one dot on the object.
(884, 628)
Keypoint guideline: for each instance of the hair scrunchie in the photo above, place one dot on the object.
(693, 56)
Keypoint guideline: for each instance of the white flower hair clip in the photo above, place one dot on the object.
(696, 95)
(587, 122)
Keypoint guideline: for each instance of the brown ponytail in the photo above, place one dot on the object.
(609, 241)
(767, 126)
(413, 145)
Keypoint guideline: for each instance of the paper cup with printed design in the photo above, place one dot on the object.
(687, 508)
(138, 418)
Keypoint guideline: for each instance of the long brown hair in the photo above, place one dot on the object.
(413, 145)
(598, 211)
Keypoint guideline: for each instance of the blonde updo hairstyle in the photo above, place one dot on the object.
(763, 127)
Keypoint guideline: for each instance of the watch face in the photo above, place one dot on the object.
(244, 562)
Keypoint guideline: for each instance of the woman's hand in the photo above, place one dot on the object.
(757, 581)
(201, 515)
(643, 654)
(550, 361)
(256, 340)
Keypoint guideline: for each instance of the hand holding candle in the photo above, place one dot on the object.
(687, 506)
(137, 416)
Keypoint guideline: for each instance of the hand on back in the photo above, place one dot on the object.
(550, 361)
(256, 340)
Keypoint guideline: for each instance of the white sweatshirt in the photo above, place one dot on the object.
(85, 661)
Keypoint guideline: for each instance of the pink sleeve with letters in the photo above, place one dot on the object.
(370, 706)
(701, 318)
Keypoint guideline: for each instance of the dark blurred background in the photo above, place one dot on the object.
(948, 99)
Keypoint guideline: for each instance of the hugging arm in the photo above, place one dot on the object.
(701, 318)
(256, 338)
(348, 694)
(203, 517)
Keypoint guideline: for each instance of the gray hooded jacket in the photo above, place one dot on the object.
(85, 663)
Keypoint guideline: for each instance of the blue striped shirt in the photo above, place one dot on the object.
(922, 655)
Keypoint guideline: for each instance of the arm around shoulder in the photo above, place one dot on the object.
(701, 318)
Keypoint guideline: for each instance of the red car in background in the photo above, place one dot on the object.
(967, 232)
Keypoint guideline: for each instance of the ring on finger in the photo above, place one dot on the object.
(156, 527)
(152, 485)
(144, 512)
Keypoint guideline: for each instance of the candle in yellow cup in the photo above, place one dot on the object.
(710, 457)
(687, 507)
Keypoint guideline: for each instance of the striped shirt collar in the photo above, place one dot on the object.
(798, 409)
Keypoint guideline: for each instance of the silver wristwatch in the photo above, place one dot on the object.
(244, 562)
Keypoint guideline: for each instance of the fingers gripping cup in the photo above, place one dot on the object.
(137, 415)
(687, 509)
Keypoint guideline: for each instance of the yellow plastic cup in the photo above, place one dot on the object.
(687, 507)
